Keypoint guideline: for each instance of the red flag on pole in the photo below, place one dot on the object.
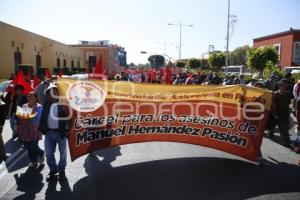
(99, 69)
(19, 80)
(161, 74)
(168, 75)
(47, 75)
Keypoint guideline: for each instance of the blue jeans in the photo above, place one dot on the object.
(51, 139)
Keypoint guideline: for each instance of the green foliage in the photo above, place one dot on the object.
(260, 58)
(157, 61)
(204, 64)
(216, 60)
(271, 68)
(296, 76)
(180, 63)
(239, 56)
(194, 63)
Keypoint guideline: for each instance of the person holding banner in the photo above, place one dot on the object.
(281, 109)
(54, 126)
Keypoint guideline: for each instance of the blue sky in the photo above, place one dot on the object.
(140, 25)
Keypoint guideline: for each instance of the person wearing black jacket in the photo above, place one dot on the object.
(13, 100)
(54, 125)
(2, 121)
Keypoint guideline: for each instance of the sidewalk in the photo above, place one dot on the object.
(160, 170)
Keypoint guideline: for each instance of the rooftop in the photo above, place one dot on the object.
(291, 31)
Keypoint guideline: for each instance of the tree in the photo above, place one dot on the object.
(194, 63)
(239, 56)
(157, 61)
(180, 63)
(216, 60)
(204, 64)
(259, 58)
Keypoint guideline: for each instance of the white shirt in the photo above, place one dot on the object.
(53, 117)
(295, 89)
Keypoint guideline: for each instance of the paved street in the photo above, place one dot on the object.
(157, 170)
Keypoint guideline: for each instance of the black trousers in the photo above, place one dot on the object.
(34, 150)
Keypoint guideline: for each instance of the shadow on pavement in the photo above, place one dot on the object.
(184, 178)
(65, 191)
(30, 183)
(181, 178)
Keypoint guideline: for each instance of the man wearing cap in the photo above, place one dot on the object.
(54, 125)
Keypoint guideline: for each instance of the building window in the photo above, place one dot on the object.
(72, 63)
(38, 60)
(65, 63)
(278, 50)
(92, 61)
(88, 54)
(58, 62)
(296, 53)
(78, 63)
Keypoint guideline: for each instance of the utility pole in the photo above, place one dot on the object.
(227, 37)
(180, 34)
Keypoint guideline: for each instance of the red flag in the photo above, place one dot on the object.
(60, 73)
(48, 75)
(99, 69)
(161, 74)
(35, 82)
(151, 74)
(19, 80)
(168, 75)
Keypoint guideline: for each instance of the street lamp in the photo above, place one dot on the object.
(231, 19)
(180, 27)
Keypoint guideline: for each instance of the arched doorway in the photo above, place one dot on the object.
(65, 63)
(17, 59)
(38, 61)
(58, 62)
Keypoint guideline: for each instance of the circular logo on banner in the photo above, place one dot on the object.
(85, 96)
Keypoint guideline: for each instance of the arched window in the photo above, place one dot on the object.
(18, 59)
(58, 62)
(78, 63)
(72, 63)
(65, 63)
(38, 60)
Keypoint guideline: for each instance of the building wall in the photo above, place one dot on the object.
(97, 51)
(286, 46)
(14, 39)
(296, 50)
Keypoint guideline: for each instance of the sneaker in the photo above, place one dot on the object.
(62, 176)
(51, 176)
(41, 159)
(33, 165)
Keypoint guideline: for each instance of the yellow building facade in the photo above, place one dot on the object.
(18, 46)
